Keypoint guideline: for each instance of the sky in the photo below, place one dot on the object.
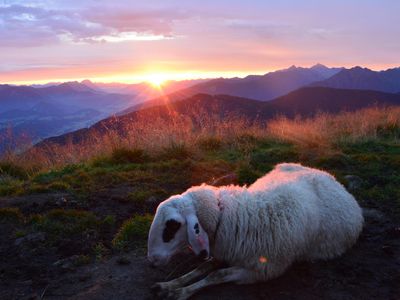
(132, 41)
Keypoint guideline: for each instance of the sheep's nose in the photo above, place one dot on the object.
(203, 255)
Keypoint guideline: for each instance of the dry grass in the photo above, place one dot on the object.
(321, 134)
(325, 132)
(154, 136)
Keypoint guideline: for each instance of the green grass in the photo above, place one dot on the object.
(176, 168)
(376, 161)
(64, 223)
(133, 230)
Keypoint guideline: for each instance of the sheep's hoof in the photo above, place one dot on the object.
(163, 291)
(177, 294)
(155, 288)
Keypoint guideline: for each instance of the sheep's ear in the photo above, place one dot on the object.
(198, 238)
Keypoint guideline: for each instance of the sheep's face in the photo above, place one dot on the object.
(167, 235)
(174, 229)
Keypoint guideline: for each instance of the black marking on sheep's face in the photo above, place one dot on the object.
(196, 228)
(170, 229)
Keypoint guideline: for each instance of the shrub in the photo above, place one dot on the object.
(133, 230)
(109, 220)
(100, 251)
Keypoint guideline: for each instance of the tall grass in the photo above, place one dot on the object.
(192, 134)
(325, 132)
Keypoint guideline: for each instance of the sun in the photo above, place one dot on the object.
(157, 80)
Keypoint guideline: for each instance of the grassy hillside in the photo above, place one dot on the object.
(90, 202)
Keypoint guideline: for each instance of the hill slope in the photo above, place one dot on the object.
(304, 102)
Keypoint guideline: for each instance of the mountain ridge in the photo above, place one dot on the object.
(364, 78)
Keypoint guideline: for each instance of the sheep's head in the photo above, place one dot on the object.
(175, 226)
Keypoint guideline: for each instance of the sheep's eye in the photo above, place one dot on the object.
(170, 229)
(196, 228)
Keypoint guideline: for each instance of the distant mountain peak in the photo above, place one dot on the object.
(76, 86)
(358, 68)
(86, 81)
(318, 66)
(90, 84)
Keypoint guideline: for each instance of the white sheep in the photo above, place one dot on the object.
(293, 213)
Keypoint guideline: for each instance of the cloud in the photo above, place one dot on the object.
(22, 25)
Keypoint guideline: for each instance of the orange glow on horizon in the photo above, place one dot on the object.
(155, 77)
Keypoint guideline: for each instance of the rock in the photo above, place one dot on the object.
(68, 263)
(31, 238)
(354, 182)
(61, 201)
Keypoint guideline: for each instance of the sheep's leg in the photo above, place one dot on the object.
(163, 288)
(233, 274)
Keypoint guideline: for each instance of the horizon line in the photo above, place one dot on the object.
(173, 76)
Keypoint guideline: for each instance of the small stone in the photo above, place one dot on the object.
(68, 263)
(61, 201)
(388, 249)
(31, 238)
(151, 201)
(123, 261)
(354, 182)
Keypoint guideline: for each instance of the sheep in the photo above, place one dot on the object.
(293, 213)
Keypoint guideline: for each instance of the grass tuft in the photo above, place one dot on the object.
(132, 231)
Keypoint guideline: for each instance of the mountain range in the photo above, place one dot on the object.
(259, 87)
(364, 79)
(57, 108)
